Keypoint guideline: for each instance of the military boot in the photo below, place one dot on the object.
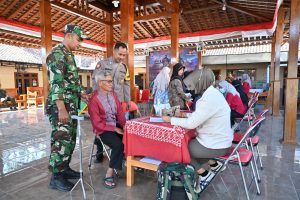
(58, 182)
(70, 174)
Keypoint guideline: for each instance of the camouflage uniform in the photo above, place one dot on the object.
(64, 85)
(120, 75)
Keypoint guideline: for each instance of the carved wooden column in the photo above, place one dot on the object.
(291, 92)
(279, 39)
(127, 36)
(109, 36)
(175, 31)
(46, 40)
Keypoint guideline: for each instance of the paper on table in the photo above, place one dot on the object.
(156, 119)
(150, 160)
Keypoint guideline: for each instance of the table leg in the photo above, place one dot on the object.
(130, 171)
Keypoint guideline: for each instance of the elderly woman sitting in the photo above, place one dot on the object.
(107, 119)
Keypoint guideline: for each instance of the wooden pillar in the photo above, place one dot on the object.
(46, 40)
(109, 36)
(147, 73)
(127, 19)
(272, 66)
(199, 59)
(175, 31)
(291, 92)
(279, 40)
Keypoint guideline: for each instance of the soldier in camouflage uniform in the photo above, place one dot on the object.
(62, 102)
(121, 81)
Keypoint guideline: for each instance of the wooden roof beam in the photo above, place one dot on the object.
(153, 29)
(18, 10)
(9, 7)
(167, 5)
(28, 12)
(79, 13)
(99, 6)
(148, 17)
(243, 10)
(147, 33)
(201, 9)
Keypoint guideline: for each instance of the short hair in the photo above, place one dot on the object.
(120, 44)
(101, 74)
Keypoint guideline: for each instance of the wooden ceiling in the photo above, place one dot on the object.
(152, 19)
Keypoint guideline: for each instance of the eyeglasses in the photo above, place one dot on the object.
(107, 81)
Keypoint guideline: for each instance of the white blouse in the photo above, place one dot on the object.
(211, 120)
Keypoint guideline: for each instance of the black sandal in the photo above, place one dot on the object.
(109, 182)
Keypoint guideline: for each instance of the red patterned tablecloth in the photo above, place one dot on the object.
(157, 140)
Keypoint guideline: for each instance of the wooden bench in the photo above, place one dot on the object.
(132, 162)
(262, 98)
(20, 99)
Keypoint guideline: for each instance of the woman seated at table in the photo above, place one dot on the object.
(107, 119)
(238, 109)
(246, 82)
(176, 92)
(212, 122)
(238, 86)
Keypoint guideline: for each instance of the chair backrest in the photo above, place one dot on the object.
(138, 95)
(249, 132)
(145, 95)
(31, 95)
(262, 113)
(133, 108)
(39, 90)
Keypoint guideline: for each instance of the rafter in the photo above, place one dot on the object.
(148, 17)
(201, 9)
(67, 21)
(8, 9)
(24, 5)
(28, 12)
(167, 5)
(145, 31)
(185, 24)
(58, 21)
(152, 29)
(99, 6)
(79, 13)
(243, 10)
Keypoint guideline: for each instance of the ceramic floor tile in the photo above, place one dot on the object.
(25, 149)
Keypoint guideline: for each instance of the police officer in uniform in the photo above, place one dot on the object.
(121, 80)
(63, 99)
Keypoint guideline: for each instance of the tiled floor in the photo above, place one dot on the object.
(24, 151)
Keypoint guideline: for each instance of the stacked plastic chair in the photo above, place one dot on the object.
(241, 156)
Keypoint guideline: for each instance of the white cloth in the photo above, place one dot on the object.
(246, 78)
(211, 120)
(228, 88)
(161, 82)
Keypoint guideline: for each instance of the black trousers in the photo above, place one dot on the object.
(114, 141)
(234, 115)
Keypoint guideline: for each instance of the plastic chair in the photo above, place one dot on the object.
(253, 142)
(242, 156)
(106, 150)
(145, 96)
(249, 116)
(133, 108)
(145, 99)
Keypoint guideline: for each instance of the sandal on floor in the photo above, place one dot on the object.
(109, 182)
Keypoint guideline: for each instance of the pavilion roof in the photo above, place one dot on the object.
(152, 19)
